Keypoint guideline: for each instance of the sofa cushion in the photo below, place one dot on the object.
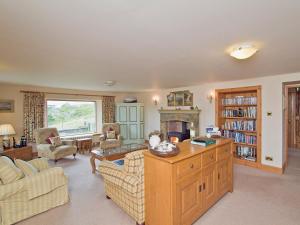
(8, 171)
(111, 135)
(26, 167)
(48, 138)
(55, 141)
(40, 163)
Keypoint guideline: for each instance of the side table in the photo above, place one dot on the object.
(84, 144)
(24, 153)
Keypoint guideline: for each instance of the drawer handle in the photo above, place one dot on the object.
(192, 166)
(212, 156)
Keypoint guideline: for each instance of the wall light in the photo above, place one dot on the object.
(243, 51)
(155, 99)
(211, 96)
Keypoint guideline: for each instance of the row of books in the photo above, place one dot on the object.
(240, 100)
(247, 125)
(248, 153)
(240, 137)
(249, 112)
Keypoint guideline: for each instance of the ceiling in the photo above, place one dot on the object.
(144, 45)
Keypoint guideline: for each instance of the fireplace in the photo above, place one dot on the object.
(178, 129)
(175, 124)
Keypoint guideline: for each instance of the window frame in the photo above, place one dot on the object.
(72, 100)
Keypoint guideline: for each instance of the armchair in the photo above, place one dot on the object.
(34, 194)
(49, 151)
(125, 185)
(105, 142)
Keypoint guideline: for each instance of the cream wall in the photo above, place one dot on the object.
(272, 127)
(9, 91)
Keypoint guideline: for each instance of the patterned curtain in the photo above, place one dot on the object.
(34, 107)
(108, 109)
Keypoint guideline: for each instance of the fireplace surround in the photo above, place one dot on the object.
(176, 123)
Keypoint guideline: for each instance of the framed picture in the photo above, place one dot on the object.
(179, 96)
(171, 99)
(7, 106)
(188, 98)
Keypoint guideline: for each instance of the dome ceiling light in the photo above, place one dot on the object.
(243, 51)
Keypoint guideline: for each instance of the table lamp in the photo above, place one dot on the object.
(6, 130)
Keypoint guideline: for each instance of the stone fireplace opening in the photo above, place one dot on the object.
(175, 124)
(178, 129)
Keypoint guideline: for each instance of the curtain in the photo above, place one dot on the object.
(108, 109)
(34, 108)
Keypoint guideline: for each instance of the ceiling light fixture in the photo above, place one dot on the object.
(109, 83)
(243, 51)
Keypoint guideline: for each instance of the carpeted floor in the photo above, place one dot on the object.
(259, 198)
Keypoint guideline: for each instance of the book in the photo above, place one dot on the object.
(203, 141)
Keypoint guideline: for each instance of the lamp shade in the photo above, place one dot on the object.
(7, 129)
(243, 51)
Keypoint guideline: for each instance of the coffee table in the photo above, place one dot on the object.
(114, 153)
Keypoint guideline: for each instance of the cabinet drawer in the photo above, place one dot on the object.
(188, 166)
(209, 157)
(223, 152)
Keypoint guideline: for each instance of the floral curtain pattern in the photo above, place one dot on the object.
(108, 109)
(34, 108)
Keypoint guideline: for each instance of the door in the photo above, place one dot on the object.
(189, 199)
(293, 118)
(209, 185)
(222, 176)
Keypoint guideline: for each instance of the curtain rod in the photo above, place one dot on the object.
(60, 93)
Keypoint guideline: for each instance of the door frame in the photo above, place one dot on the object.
(285, 97)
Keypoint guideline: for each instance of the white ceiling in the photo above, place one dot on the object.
(143, 44)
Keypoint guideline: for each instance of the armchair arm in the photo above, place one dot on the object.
(69, 142)
(10, 189)
(119, 136)
(45, 147)
(115, 175)
(102, 137)
(45, 181)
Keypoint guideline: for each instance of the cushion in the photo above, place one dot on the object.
(55, 141)
(111, 134)
(26, 167)
(8, 171)
(40, 163)
(48, 138)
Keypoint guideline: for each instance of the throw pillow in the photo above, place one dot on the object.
(48, 138)
(8, 171)
(26, 167)
(111, 135)
(40, 163)
(56, 141)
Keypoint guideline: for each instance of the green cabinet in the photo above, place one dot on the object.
(130, 116)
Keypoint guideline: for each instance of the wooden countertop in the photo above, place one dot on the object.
(188, 150)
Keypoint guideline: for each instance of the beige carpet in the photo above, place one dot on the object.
(259, 198)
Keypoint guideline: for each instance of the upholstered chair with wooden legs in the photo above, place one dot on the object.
(125, 184)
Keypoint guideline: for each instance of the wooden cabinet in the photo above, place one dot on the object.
(189, 198)
(24, 153)
(178, 190)
(130, 116)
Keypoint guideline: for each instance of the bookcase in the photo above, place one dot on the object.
(238, 115)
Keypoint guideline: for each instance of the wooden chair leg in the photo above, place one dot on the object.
(107, 197)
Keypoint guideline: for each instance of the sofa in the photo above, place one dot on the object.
(109, 143)
(49, 151)
(31, 195)
(125, 184)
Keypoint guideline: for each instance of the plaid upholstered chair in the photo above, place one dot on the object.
(110, 137)
(125, 184)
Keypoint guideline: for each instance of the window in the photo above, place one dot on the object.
(71, 117)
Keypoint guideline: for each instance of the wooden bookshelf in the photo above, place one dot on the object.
(241, 101)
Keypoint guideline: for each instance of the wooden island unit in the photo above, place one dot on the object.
(179, 189)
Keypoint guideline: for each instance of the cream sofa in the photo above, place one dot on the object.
(47, 150)
(32, 195)
(125, 184)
